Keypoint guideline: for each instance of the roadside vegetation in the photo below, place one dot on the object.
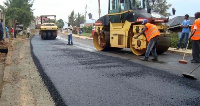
(18, 12)
(60, 23)
(86, 34)
(175, 39)
(87, 29)
(76, 19)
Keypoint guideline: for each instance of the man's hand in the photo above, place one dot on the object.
(192, 33)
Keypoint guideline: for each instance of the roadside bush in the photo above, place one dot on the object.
(175, 39)
(87, 29)
(74, 32)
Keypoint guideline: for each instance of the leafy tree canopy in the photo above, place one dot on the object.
(19, 10)
(76, 19)
(160, 6)
(60, 23)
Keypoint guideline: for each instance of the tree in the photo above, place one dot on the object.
(71, 18)
(80, 19)
(19, 10)
(76, 19)
(60, 23)
(160, 6)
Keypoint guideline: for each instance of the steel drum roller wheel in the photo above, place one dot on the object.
(163, 44)
(101, 42)
(135, 51)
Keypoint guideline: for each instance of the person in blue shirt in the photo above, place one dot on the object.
(1, 30)
(185, 32)
(6, 29)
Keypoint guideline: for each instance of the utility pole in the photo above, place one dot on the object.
(85, 12)
(99, 9)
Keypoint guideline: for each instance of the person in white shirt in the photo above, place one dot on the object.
(28, 31)
(70, 28)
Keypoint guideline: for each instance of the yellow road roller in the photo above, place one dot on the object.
(117, 29)
(48, 28)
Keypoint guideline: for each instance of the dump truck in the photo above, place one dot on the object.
(117, 29)
(48, 28)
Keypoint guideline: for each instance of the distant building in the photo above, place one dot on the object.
(86, 25)
(82, 25)
(174, 23)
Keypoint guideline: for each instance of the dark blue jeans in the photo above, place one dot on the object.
(7, 35)
(183, 35)
(70, 39)
(152, 48)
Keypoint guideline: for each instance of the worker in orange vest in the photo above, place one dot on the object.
(195, 33)
(152, 34)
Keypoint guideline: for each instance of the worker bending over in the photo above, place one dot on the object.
(152, 34)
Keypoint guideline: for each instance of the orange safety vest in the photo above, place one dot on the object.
(196, 35)
(151, 31)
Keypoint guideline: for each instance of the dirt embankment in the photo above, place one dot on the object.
(4, 45)
(22, 84)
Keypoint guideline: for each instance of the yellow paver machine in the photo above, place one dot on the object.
(117, 29)
(48, 29)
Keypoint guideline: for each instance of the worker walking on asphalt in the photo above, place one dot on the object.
(28, 31)
(185, 32)
(12, 32)
(7, 32)
(152, 33)
(195, 33)
(70, 28)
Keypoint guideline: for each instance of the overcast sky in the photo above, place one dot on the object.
(63, 8)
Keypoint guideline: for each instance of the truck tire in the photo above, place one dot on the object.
(49, 35)
(44, 35)
(54, 35)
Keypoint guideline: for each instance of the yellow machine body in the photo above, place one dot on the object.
(117, 29)
(121, 35)
(48, 29)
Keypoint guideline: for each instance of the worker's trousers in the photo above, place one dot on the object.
(183, 35)
(70, 39)
(7, 35)
(196, 50)
(152, 48)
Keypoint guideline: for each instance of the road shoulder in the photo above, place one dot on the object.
(23, 84)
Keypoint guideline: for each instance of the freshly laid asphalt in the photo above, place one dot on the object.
(78, 77)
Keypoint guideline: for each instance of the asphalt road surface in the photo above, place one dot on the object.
(79, 75)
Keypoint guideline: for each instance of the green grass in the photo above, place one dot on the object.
(86, 34)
